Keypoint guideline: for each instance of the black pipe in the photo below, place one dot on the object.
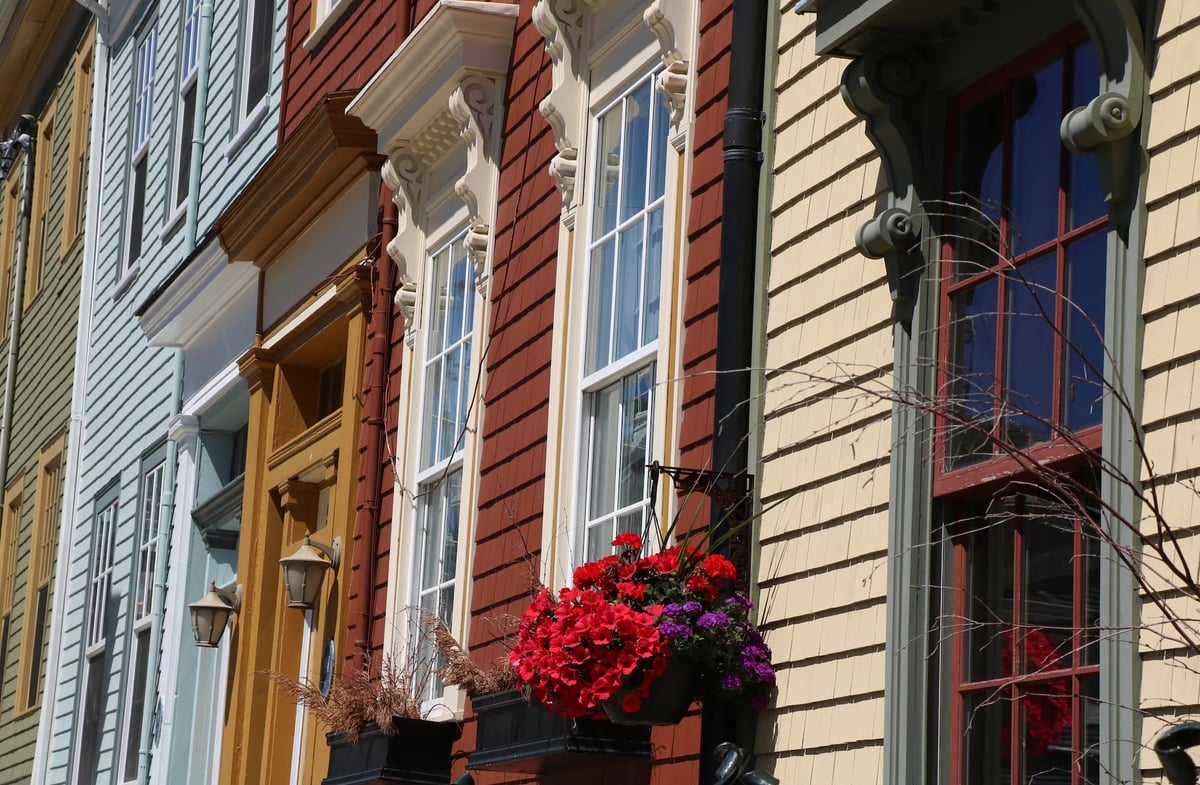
(722, 721)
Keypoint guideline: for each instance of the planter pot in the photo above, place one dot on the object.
(514, 735)
(417, 754)
(670, 697)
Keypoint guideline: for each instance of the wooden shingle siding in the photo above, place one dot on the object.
(344, 59)
(1170, 689)
(825, 481)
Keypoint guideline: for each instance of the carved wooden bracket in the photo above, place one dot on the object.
(1105, 127)
(893, 235)
(477, 104)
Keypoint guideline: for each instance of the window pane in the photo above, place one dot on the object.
(653, 269)
(629, 295)
(989, 595)
(434, 500)
(1037, 110)
(1049, 544)
(1047, 754)
(602, 454)
(600, 306)
(636, 153)
(450, 531)
(1091, 595)
(260, 53)
(604, 215)
(1085, 201)
(978, 197)
(137, 212)
(658, 148)
(1083, 316)
(635, 434)
(433, 413)
(137, 703)
(186, 127)
(94, 709)
(988, 731)
(447, 405)
(1090, 752)
(1029, 344)
(973, 372)
(438, 301)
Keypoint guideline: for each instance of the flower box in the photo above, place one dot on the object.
(417, 754)
(515, 735)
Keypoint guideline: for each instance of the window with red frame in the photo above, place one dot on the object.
(1020, 371)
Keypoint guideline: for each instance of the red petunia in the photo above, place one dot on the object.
(717, 566)
(628, 540)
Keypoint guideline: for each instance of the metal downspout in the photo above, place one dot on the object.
(743, 158)
(370, 491)
(83, 337)
(167, 506)
(21, 257)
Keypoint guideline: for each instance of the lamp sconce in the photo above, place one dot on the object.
(304, 570)
(210, 614)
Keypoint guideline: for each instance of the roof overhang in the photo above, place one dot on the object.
(325, 154)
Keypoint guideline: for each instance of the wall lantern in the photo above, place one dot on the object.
(304, 570)
(210, 614)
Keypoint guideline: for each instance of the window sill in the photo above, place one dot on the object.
(325, 25)
(126, 280)
(246, 129)
(173, 222)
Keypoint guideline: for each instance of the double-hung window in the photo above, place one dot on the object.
(40, 251)
(186, 113)
(10, 530)
(259, 27)
(624, 279)
(448, 391)
(149, 520)
(97, 623)
(43, 546)
(1020, 371)
(143, 115)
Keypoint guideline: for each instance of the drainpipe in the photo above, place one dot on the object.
(167, 504)
(27, 128)
(370, 490)
(75, 435)
(743, 158)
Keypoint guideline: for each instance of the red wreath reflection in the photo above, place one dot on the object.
(1047, 703)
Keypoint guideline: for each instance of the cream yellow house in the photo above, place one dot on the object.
(978, 410)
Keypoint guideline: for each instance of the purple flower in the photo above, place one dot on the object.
(716, 619)
(739, 601)
(731, 681)
(691, 606)
(672, 609)
(765, 672)
(673, 629)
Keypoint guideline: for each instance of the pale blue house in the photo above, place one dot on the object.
(190, 113)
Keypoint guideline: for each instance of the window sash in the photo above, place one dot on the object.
(259, 40)
(450, 317)
(101, 579)
(151, 514)
(191, 39)
(436, 563)
(143, 102)
(1001, 290)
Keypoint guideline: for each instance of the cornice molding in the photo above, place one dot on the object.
(462, 50)
(562, 25)
(326, 153)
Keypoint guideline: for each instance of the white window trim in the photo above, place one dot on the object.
(180, 207)
(615, 62)
(471, 44)
(246, 114)
(100, 572)
(141, 150)
(326, 14)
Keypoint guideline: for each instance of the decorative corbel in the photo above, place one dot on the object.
(1105, 127)
(404, 174)
(877, 87)
(476, 104)
(561, 24)
(672, 82)
(893, 236)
